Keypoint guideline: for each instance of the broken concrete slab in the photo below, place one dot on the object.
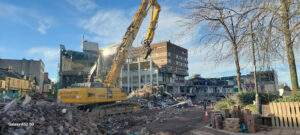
(26, 100)
(10, 105)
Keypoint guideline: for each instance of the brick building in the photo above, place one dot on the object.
(167, 65)
(34, 68)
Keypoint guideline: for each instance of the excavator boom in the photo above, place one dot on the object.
(110, 91)
(122, 54)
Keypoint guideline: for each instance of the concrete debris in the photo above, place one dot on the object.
(10, 105)
(64, 110)
(27, 99)
(5, 99)
(146, 92)
(151, 96)
(38, 115)
(43, 117)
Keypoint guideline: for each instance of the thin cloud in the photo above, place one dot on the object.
(43, 26)
(44, 52)
(107, 26)
(83, 5)
(25, 17)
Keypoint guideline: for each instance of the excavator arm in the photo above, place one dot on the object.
(151, 30)
(126, 45)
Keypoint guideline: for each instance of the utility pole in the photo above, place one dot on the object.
(257, 99)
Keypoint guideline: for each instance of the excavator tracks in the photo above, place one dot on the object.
(109, 109)
(118, 108)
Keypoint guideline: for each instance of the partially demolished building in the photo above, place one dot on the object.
(75, 66)
(166, 65)
(209, 89)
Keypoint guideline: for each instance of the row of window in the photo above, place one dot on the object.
(177, 69)
(177, 63)
(181, 70)
(177, 56)
(181, 64)
(181, 58)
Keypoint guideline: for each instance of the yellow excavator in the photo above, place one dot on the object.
(109, 91)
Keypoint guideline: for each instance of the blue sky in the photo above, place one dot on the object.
(34, 29)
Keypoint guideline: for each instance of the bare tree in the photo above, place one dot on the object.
(269, 48)
(226, 25)
(287, 23)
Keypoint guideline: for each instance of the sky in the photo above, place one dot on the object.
(34, 30)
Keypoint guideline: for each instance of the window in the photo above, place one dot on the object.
(169, 61)
(176, 56)
(169, 53)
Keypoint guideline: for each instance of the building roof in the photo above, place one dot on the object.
(5, 73)
(285, 87)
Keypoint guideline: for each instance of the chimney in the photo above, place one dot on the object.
(10, 68)
(46, 75)
(82, 40)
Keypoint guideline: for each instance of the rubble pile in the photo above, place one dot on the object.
(151, 96)
(5, 99)
(39, 115)
(30, 116)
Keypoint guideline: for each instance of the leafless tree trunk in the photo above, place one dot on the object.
(285, 9)
(226, 24)
(287, 13)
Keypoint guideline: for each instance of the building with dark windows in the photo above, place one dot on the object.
(167, 65)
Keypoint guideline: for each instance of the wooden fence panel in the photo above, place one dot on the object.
(288, 114)
(285, 114)
(273, 116)
(293, 114)
(297, 113)
(278, 107)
